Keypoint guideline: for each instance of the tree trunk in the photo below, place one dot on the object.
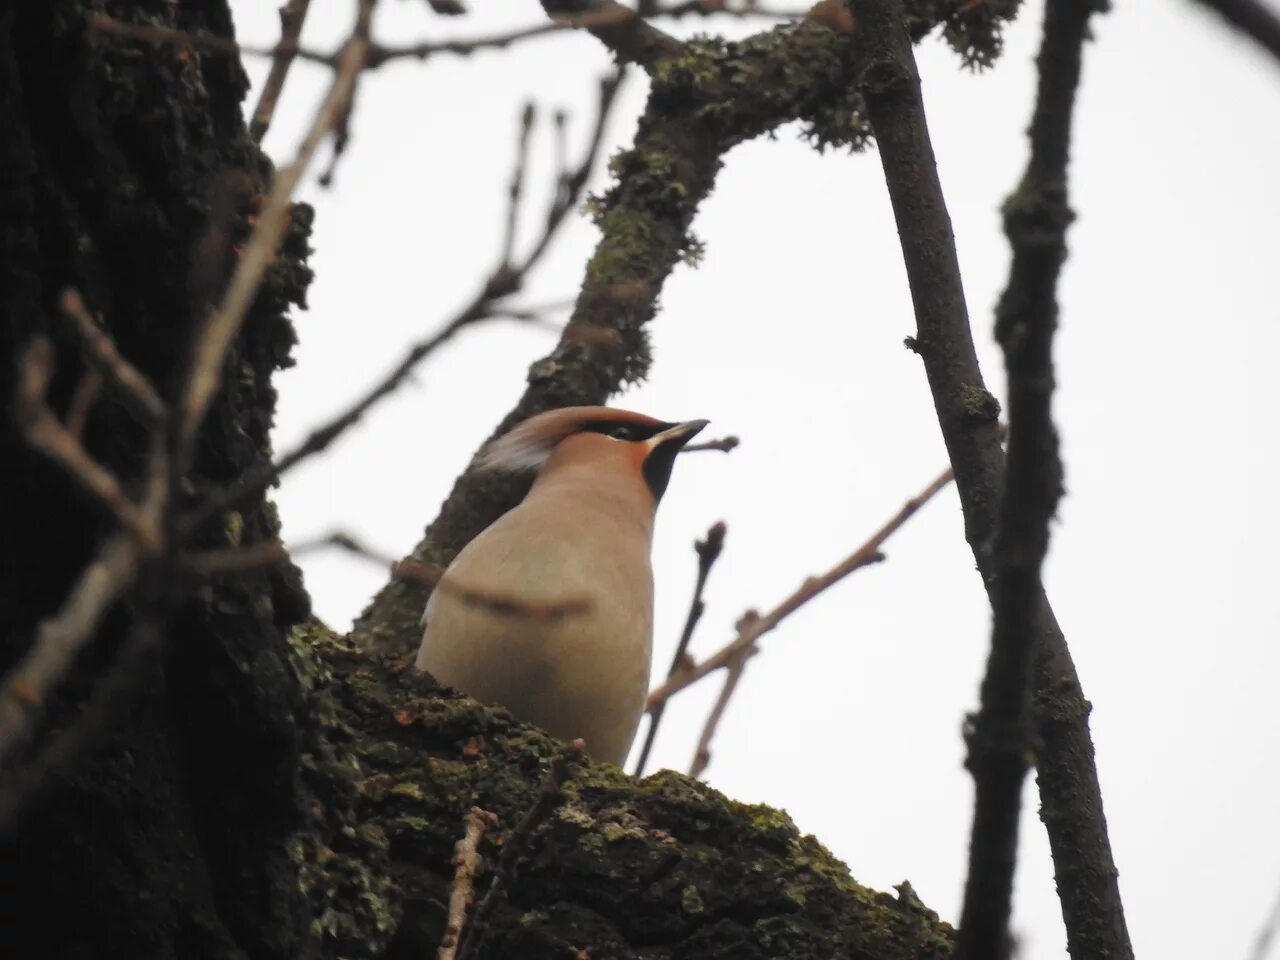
(252, 785)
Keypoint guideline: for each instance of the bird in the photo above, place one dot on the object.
(579, 539)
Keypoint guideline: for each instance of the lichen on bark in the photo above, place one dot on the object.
(661, 868)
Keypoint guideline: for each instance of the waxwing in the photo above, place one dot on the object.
(578, 542)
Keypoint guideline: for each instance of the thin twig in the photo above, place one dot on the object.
(733, 676)
(519, 841)
(724, 444)
(43, 432)
(159, 36)
(516, 190)
(504, 281)
(570, 188)
(61, 637)
(751, 629)
(708, 550)
(81, 405)
(466, 859)
(93, 719)
(207, 365)
(272, 553)
(610, 17)
(292, 16)
(128, 381)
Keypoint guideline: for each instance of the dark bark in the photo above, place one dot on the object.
(1071, 798)
(1001, 742)
(164, 835)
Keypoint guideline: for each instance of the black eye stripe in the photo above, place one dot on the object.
(623, 429)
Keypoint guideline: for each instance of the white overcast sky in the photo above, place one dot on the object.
(1163, 568)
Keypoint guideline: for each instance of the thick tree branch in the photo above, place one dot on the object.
(1071, 798)
(588, 862)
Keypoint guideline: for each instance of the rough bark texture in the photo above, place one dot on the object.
(164, 838)
(255, 788)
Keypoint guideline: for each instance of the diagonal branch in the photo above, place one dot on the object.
(753, 626)
(1255, 19)
(292, 16)
(708, 550)
(61, 637)
(43, 432)
(1071, 797)
(207, 363)
(128, 381)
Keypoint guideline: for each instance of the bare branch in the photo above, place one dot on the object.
(752, 627)
(81, 405)
(737, 667)
(517, 845)
(44, 433)
(292, 16)
(207, 365)
(724, 444)
(61, 637)
(516, 190)
(127, 380)
(92, 719)
(1071, 799)
(612, 22)
(159, 36)
(708, 550)
(271, 553)
(466, 859)
(504, 281)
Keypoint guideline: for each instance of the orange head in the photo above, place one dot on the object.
(618, 444)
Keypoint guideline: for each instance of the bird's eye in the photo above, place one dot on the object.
(623, 432)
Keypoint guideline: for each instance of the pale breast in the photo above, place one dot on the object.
(584, 675)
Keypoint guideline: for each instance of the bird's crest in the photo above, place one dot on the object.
(528, 445)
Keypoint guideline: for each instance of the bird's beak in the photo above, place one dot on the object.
(676, 436)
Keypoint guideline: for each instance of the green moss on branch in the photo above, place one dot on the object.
(662, 868)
